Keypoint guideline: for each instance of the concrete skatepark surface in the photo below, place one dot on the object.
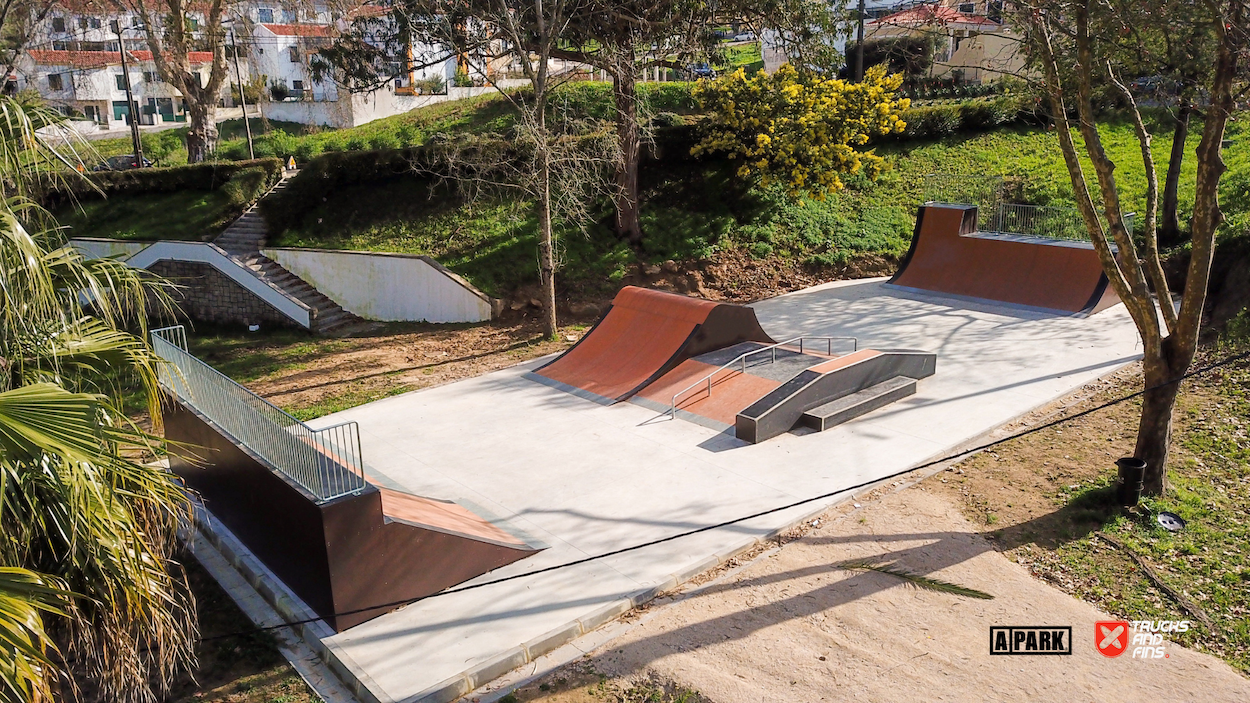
(584, 478)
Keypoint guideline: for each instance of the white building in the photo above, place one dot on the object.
(92, 83)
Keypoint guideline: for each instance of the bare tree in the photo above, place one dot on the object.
(1074, 44)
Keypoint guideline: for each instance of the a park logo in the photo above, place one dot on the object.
(1031, 640)
(1111, 637)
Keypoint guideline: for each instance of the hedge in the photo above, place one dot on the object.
(261, 173)
(938, 121)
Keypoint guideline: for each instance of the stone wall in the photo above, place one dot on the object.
(207, 295)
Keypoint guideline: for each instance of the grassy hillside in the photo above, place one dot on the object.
(694, 210)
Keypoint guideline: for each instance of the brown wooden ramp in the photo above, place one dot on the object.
(948, 255)
(643, 335)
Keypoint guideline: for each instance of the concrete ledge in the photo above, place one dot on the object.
(496, 666)
(545, 643)
(605, 614)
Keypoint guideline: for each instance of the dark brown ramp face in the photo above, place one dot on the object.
(949, 256)
(645, 334)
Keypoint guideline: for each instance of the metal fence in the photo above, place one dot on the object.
(1043, 221)
(325, 462)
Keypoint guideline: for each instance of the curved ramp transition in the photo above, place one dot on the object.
(948, 255)
(645, 334)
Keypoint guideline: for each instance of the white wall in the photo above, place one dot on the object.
(388, 287)
(93, 248)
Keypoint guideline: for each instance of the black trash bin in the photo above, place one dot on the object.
(1132, 473)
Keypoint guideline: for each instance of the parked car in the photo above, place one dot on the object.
(124, 162)
(696, 71)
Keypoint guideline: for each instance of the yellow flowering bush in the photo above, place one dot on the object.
(799, 129)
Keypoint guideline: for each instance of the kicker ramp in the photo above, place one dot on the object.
(949, 255)
(645, 334)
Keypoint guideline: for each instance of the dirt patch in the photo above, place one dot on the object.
(310, 376)
(731, 275)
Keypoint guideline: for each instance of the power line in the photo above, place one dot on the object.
(555, 567)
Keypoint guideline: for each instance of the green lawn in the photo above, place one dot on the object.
(187, 215)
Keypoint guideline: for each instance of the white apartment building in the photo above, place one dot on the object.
(92, 83)
(75, 64)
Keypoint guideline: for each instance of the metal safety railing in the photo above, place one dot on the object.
(742, 359)
(326, 462)
(1044, 221)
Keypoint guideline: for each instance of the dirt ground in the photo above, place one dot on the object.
(795, 624)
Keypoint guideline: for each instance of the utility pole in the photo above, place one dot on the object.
(247, 126)
(859, 46)
(132, 107)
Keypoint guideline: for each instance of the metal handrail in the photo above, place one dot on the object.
(672, 410)
(325, 462)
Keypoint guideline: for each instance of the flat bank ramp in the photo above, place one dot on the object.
(645, 334)
(950, 256)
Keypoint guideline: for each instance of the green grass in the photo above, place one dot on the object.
(691, 210)
(188, 215)
(1207, 561)
(746, 56)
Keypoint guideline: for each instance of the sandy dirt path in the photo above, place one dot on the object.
(792, 627)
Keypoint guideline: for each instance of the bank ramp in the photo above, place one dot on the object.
(644, 335)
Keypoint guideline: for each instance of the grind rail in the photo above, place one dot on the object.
(325, 462)
(742, 358)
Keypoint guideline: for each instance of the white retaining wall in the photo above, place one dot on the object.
(144, 254)
(387, 287)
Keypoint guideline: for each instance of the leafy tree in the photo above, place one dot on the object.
(799, 129)
(1078, 47)
(90, 594)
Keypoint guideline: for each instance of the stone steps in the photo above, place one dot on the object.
(243, 239)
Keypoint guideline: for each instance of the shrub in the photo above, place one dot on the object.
(462, 79)
(246, 185)
(356, 144)
(434, 85)
(204, 176)
(384, 140)
(306, 150)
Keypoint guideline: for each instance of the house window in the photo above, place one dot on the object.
(120, 78)
(149, 77)
(294, 51)
(82, 22)
(58, 24)
(134, 21)
(968, 8)
(54, 82)
(192, 24)
(994, 10)
(264, 15)
(289, 16)
(399, 83)
(95, 23)
(60, 46)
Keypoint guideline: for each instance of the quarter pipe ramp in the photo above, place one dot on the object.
(948, 255)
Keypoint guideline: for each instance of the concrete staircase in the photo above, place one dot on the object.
(243, 240)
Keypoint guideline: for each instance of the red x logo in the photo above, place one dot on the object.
(1111, 637)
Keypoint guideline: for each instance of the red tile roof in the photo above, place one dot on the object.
(300, 30)
(93, 59)
(367, 11)
(932, 14)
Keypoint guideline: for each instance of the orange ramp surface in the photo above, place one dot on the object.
(949, 256)
(645, 334)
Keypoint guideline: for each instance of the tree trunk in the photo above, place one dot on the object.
(1169, 222)
(625, 90)
(1154, 430)
(546, 247)
(202, 133)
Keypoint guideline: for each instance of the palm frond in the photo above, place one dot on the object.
(27, 672)
(917, 580)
